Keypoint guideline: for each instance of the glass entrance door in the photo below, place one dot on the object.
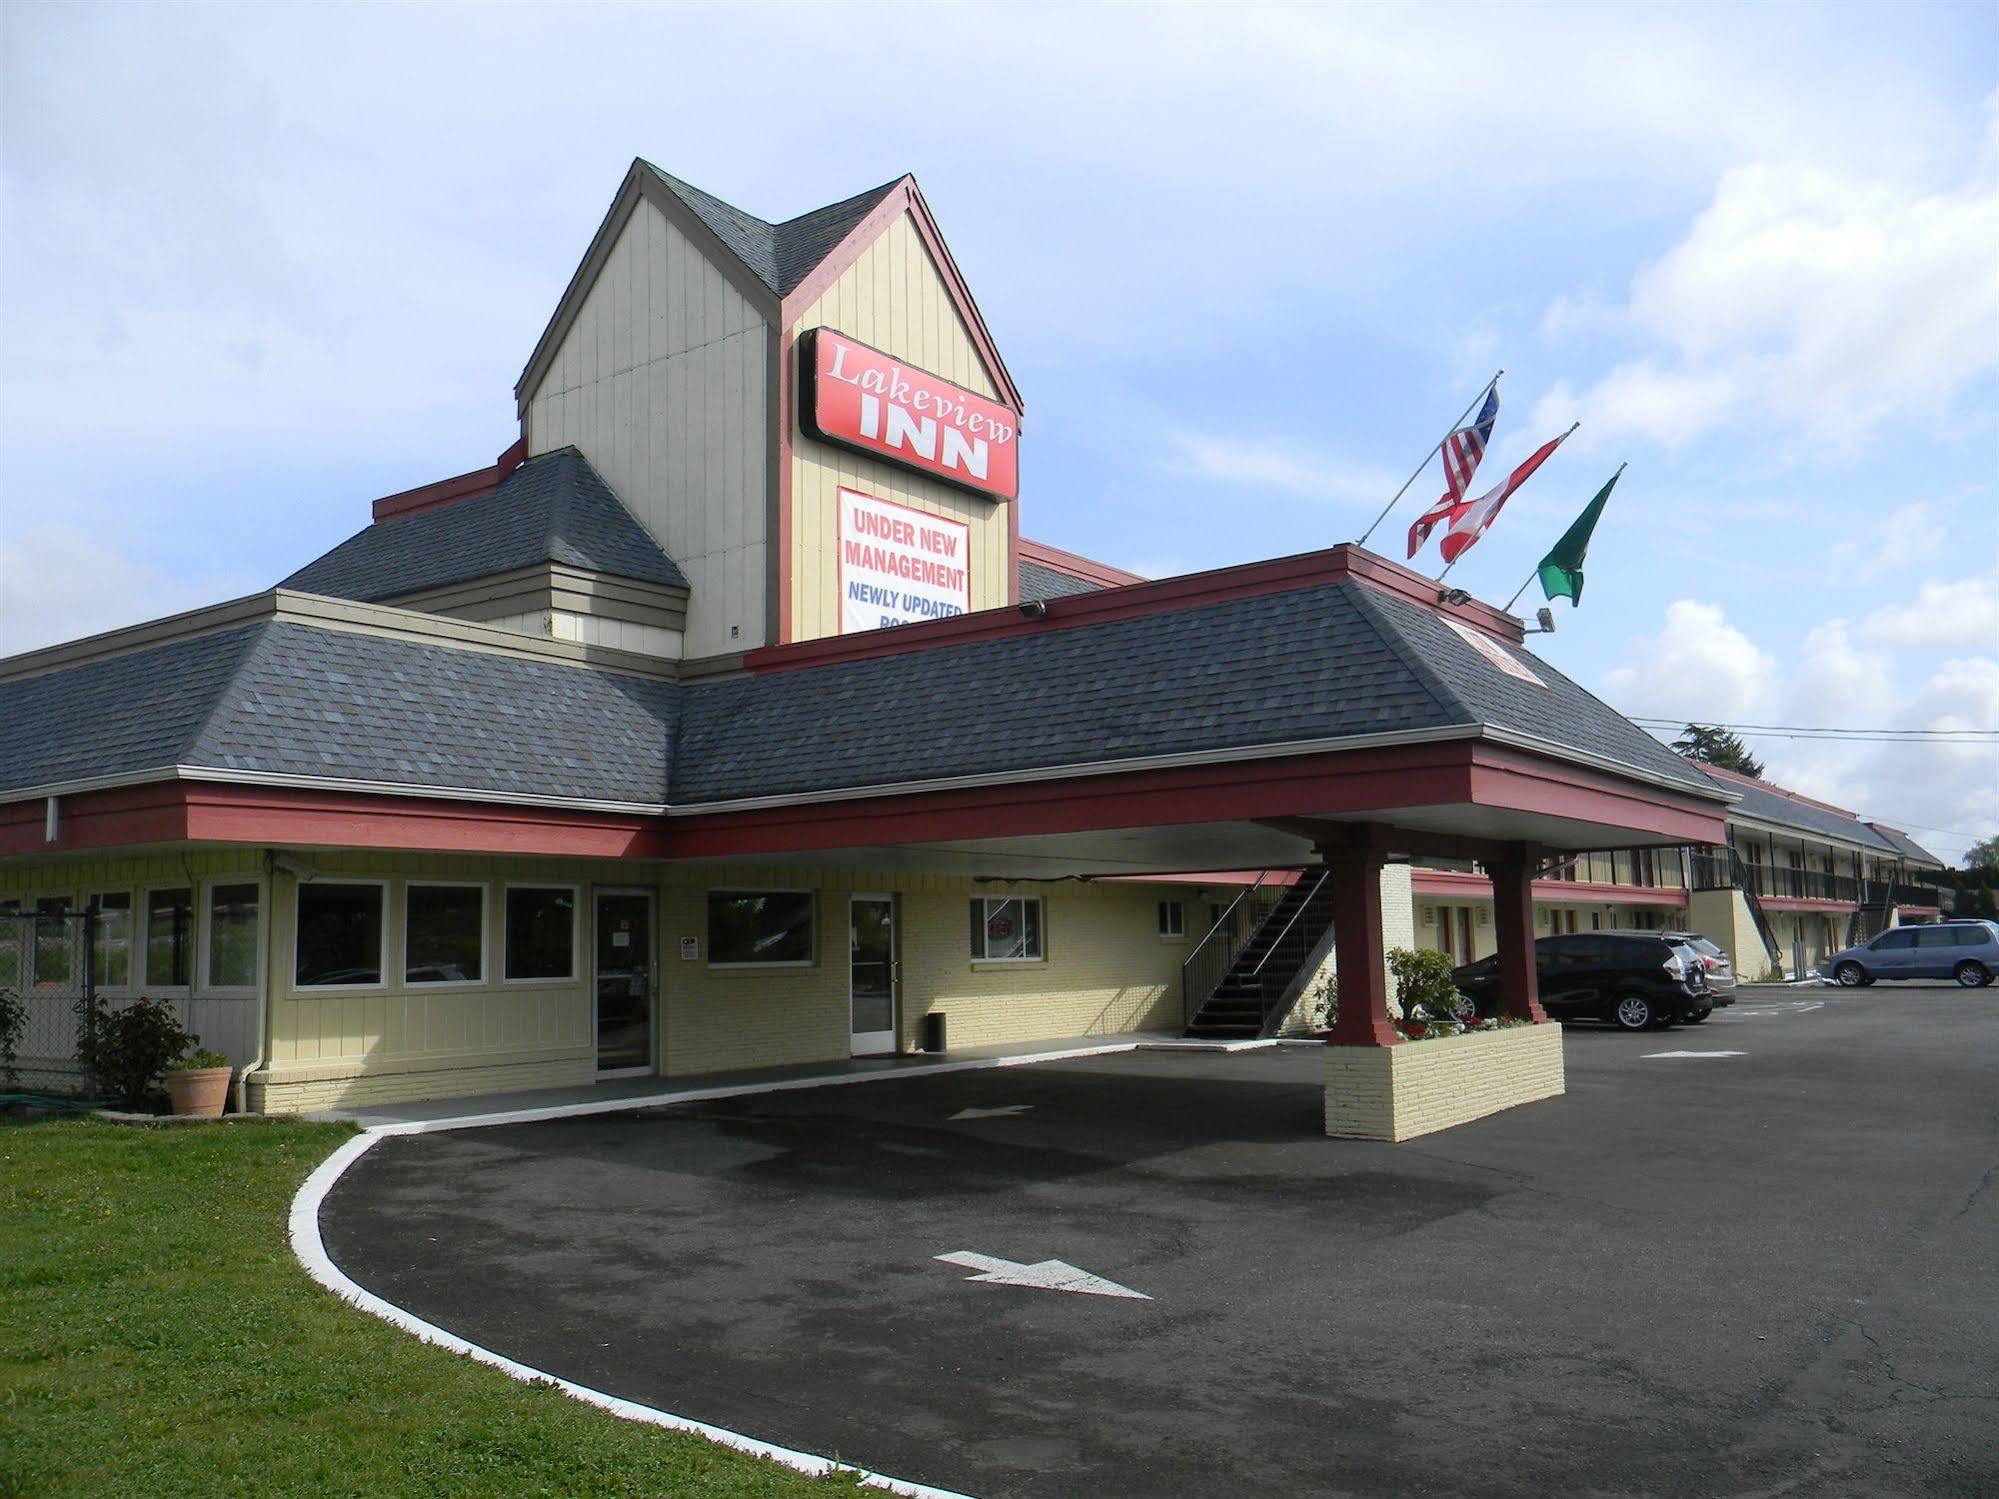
(872, 973)
(624, 981)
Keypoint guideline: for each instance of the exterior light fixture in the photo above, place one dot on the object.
(1547, 620)
(1453, 596)
(1034, 608)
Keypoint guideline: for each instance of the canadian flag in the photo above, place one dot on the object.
(1474, 520)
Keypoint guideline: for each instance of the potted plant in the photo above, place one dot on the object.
(198, 1082)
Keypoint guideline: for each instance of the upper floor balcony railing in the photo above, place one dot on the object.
(1901, 893)
(1722, 869)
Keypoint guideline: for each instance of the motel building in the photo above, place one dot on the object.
(1797, 879)
(728, 722)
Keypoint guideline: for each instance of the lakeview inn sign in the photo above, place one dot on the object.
(860, 398)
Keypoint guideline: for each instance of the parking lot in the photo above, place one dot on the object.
(1750, 1257)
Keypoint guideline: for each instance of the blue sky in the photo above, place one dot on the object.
(258, 266)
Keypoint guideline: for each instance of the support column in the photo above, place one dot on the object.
(1357, 942)
(1513, 924)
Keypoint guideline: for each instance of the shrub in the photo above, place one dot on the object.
(197, 1059)
(13, 1020)
(125, 1051)
(1423, 985)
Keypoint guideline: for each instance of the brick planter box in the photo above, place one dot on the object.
(1420, 1087)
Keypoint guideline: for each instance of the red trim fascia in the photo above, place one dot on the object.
(1075, 565)
(450, 491)
(1156, 596)
(1453, 884)
(1515, 779)
(1241, 791)
(123, 817)
(1805, 903)
(201, 812)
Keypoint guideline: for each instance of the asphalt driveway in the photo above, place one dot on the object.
(1753, 1274)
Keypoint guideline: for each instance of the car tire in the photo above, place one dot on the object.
(1634, 1012)
(1971, 974)
(1695, 1017)
(1850, 976)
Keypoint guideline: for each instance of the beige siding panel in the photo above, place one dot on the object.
(894, 298)
(660, 382)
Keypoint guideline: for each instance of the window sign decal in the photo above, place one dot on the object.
(1494, 652)
(899, 565)
(863, 399)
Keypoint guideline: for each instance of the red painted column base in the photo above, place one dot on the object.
(1513, 924)
(1358, 944)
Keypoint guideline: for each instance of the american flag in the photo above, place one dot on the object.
(1462, 451)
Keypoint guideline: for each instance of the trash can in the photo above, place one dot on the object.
(932, 1031)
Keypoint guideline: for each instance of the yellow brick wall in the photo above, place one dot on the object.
(1420, 1087)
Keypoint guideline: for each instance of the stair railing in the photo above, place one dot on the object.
(1303, 906)
(1216, 953)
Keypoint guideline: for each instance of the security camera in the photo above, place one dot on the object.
(294, 866)
(1547, 618)
(1454, 596)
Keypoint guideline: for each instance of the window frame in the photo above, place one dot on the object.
(382, 964)
(506, 979)
(755, 964)
(1177, 930)
(201, 972)
(134, 910)
(1040, 930)
(485, 979)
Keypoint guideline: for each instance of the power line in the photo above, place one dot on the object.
(1848, 736)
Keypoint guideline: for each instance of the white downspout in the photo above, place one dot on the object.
(268, 908)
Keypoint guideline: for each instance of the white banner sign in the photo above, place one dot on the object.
(899, 565)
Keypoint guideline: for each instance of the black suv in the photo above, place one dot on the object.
(1636, 980)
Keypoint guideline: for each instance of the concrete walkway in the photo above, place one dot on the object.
(616, 1095)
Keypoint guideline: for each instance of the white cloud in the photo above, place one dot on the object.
(1947, 616)
(1698, 667)
(60, 582)
(1269, 463)
(1836, 684)
(1805, 297)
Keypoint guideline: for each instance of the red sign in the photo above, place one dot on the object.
(863, 399)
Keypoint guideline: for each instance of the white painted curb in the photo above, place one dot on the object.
(311, 1252)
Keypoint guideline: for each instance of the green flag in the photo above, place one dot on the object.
(1562, 568)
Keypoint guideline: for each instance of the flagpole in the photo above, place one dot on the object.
(1537, 571)
(1454, 561)
(1484, 391)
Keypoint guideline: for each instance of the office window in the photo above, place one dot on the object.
(1006, 929)
(760, 926)
(169, 936)
(541, 932)
(112, 940)
(444, 929)
(232, 936)
(339, 935)
(1172, 919)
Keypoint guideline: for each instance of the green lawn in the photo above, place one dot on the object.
(157, 1337)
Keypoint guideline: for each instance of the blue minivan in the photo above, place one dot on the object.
(1967, 951)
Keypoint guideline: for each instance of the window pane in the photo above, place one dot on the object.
(232, 936)
(1031, 927)
(760, 926)
(55, 937)
(169, 942)
(447, 939)
(978, 928)
(113, 957)
(339, 935)
(1006, 931)
(541, 934)
(12, 937)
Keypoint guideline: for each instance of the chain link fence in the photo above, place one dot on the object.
(47, 966)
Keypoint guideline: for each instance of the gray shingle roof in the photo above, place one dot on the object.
(1045, 583)
(1323, 662)
(1907, 846)
(1765, 805)
(780, 255)
(552, 508)
(285, 698)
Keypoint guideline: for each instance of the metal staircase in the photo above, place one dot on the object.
(1245, 976)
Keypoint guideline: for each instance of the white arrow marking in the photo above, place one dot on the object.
(1651, 1054)
(1003, 1109)
(1049, 1275)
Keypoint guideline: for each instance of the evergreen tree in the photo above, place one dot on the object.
(1715, 746)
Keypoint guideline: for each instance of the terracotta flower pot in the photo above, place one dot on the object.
(200, 1091)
